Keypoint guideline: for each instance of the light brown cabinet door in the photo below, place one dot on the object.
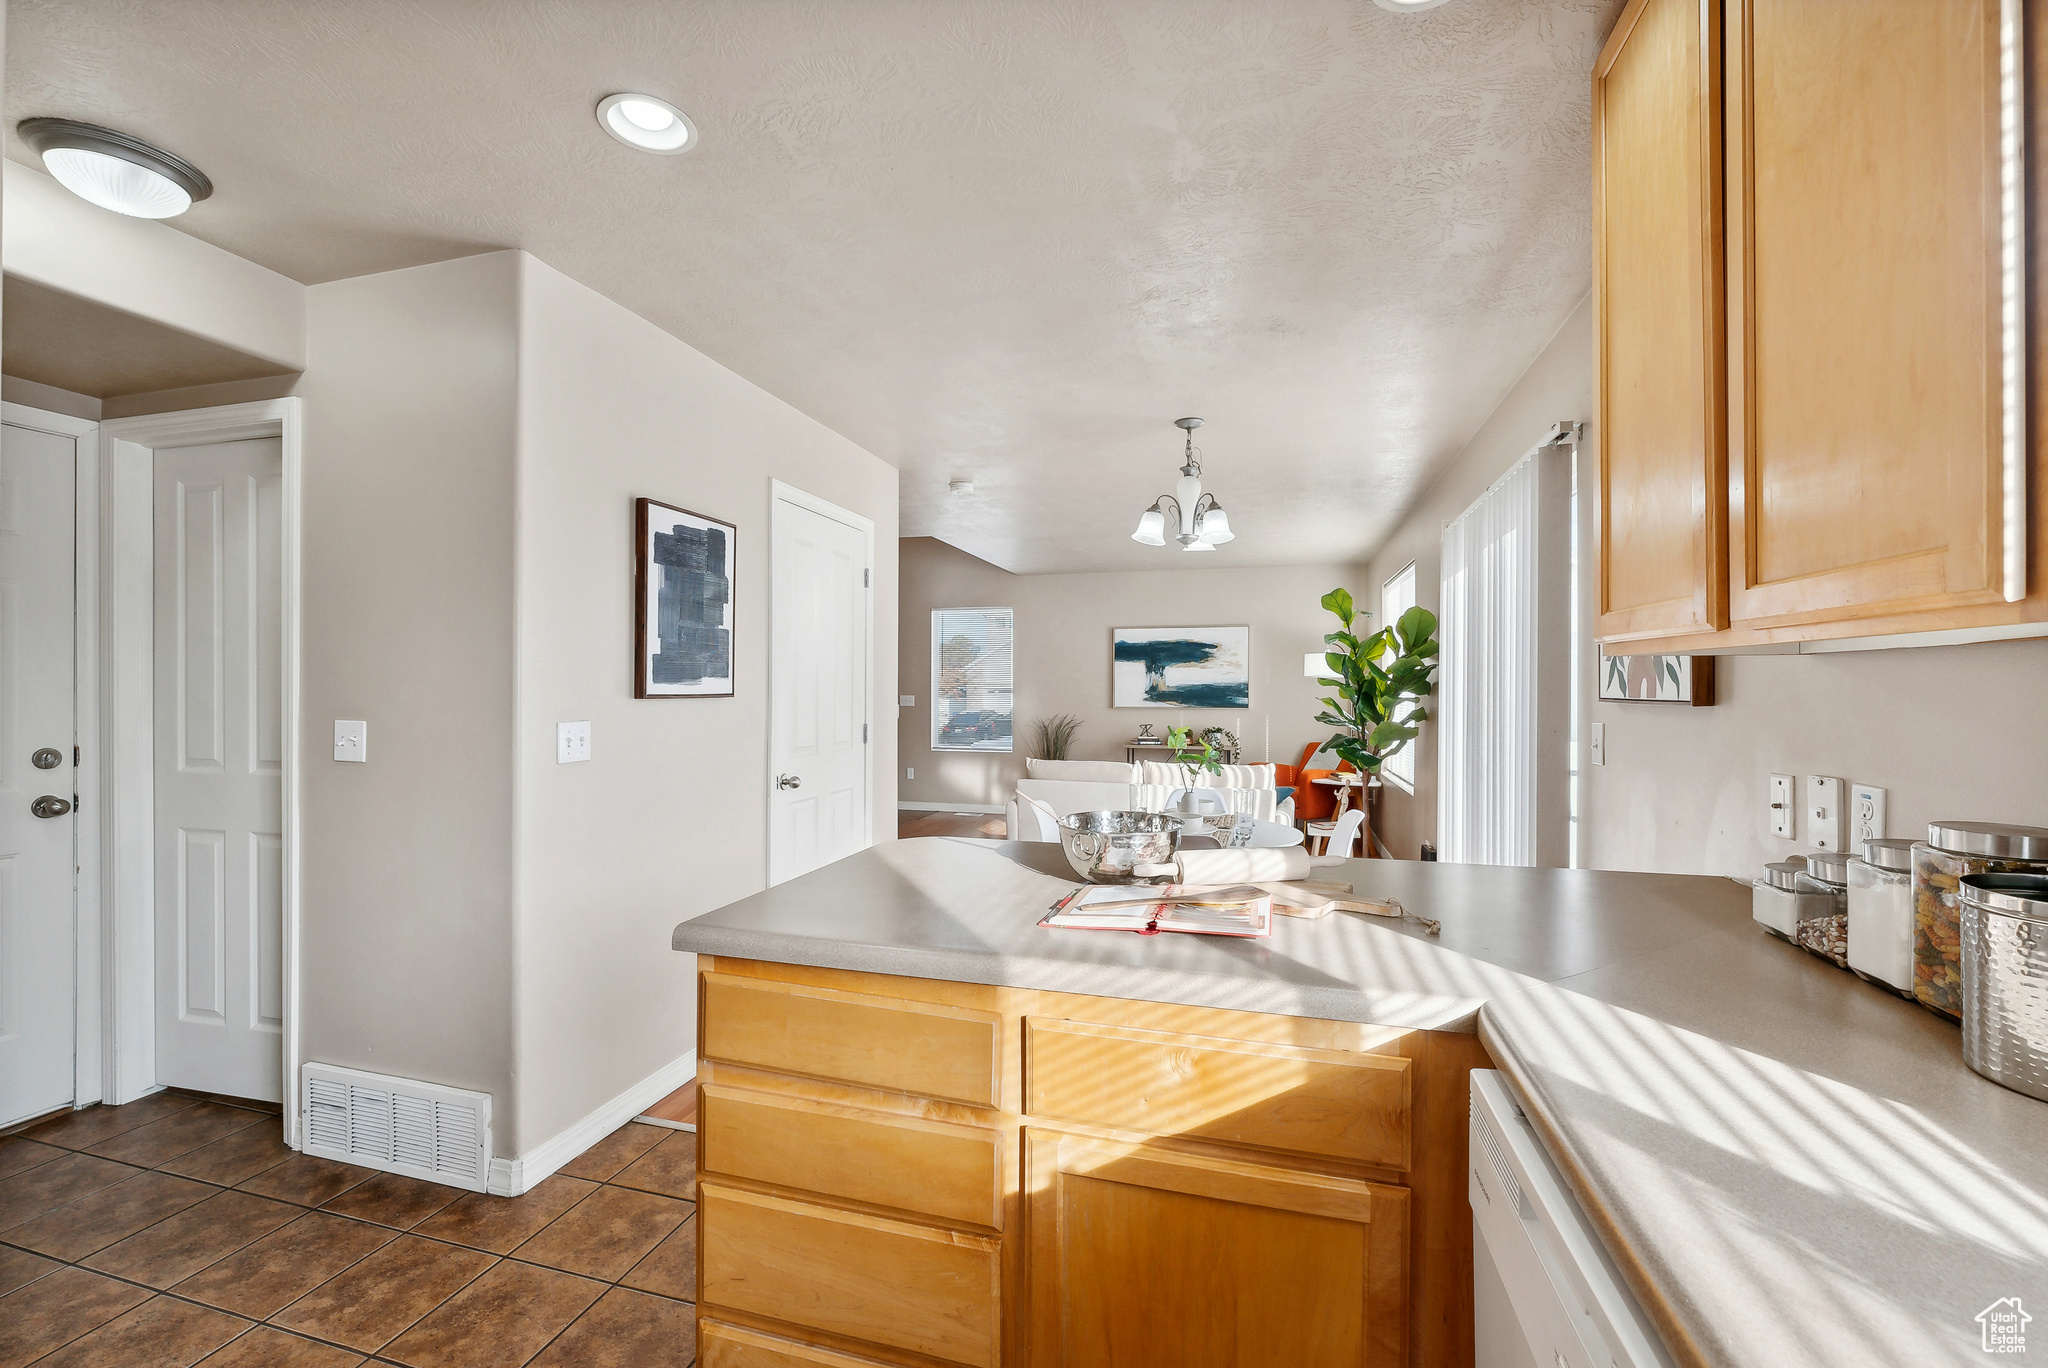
(1869, 451)
(1658, 308)
(1142, 1254)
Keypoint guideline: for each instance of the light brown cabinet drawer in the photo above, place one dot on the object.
(734, 1346)
(1293, 1098)
(950, 1053)
(928, 1167)
(867, 1277)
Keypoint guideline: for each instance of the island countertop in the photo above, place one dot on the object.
(967, 910)
(1790, 1166)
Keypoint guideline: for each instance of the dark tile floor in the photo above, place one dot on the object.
(179, 1230)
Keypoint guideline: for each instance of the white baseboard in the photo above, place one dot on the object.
(949, 807)
(511, 1177)
(690, 1126)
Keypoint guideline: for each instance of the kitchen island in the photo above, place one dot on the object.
(934, 1132)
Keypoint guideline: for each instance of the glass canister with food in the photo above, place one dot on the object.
(1951, 851)
(1825, 929)
(1881, 914)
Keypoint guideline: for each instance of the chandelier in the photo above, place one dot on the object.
(1199, 522)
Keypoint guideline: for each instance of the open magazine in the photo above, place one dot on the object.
(1237, 910)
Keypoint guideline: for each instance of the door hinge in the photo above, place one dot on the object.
(74, 755)
(864, 580)
(863, 733)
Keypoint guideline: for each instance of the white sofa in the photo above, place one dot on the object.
(1063, 795)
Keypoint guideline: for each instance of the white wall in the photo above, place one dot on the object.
(1062, 657)
(149, 269)
(1557, 387)
(668, 818)
(1954, 732)
(410, 437)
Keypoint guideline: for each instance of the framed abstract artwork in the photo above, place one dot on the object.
(1657, 679)
(683, 565)
(1180, 667)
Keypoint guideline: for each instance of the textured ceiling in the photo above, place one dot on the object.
(1006, 240)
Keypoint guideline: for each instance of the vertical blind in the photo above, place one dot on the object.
(972, 669)
(1397, 596)
(1486, 695)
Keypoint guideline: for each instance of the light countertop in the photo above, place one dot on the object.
(1792, 1167)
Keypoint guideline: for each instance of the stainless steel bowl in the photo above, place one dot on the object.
(1103, 847)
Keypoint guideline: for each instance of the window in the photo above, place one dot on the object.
(972, 668)
(1397, 596)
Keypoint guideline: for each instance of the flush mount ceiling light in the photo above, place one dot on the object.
(646, 123)
(1407, 6)
(113, 170)
(1200, 524)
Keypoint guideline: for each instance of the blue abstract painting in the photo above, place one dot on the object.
(686, 612)
(1181, 667)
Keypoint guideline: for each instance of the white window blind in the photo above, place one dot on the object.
(1397, 596)
(1486, 692)
(972, 671)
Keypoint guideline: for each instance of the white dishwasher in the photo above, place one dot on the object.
(1544, 1292)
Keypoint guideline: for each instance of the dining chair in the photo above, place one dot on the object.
(1338, 834)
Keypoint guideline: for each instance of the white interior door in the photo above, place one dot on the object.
(818, 681)
(219, 651)
(38, 854)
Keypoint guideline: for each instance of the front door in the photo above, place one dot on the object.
(219, 764)
(38, 853)
(818, 795)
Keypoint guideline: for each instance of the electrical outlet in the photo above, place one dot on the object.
(1827, 816)
(352, 741)
(572, 742)
(910, 772)
(906, 700)
(1866, 814)
(1599, 743)
(1782, 812)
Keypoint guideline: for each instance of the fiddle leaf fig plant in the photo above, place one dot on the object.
(1378, 681)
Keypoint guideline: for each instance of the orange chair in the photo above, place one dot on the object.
(1313, 802)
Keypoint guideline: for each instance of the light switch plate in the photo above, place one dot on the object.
(1866, 814)
(1827, 816)
(1599, 743)
(1782, 813)
(572, 742)
(910, 772)
(352, 741)
(906, 700)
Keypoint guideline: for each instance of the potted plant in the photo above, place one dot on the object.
(1378, 680)
(1055, 734)
(1193, 752)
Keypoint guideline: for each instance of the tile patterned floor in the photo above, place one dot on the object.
(179, 1231)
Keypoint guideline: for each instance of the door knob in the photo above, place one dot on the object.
(788, 781)
(49, 805)
(49, 757)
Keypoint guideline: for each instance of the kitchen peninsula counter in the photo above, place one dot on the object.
(1789, 1166)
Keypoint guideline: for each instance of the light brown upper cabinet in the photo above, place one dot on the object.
(1878, 473)
(1867, 356)
(1657, 280)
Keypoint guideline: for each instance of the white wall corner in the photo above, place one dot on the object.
(512, 1177)
(151, 270)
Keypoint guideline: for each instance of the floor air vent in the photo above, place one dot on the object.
(422, 1130)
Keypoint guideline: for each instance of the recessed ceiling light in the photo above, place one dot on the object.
(1407, 6)
(962, 486)
(113, 170)
(647, 123)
